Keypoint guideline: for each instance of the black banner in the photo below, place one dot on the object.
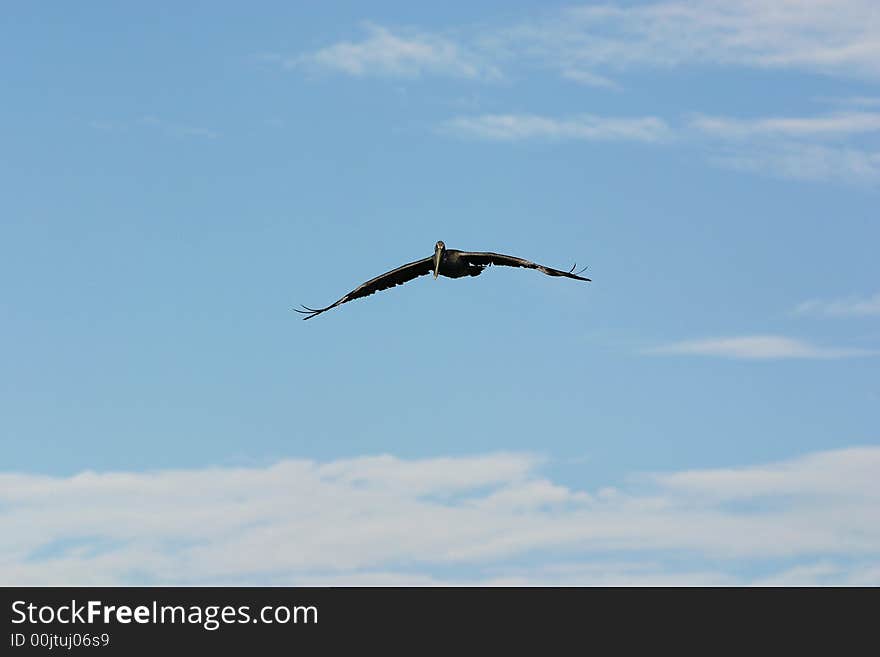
(102, 621)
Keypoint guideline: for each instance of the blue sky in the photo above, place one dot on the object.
(176, 180)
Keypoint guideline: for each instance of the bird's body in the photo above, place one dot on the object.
(454, 265)
(450, 263)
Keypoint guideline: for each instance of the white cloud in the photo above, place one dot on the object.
(825, 476)
(836, 37)
(849, 307)
(851, 101)
(757, 347)
(621, 573)
(588, 44)
(614, 573)
(840, 37)
(383, 520)
(805, 161)
(108, 126)
(840, 124)
(516, 127)
(169, 128)
(824, 573)
(589, 78)
(778, 147)
(385, 53)
(798, 147)
(177, 129)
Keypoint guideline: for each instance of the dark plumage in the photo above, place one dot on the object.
(445, 262)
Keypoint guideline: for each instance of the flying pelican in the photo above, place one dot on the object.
(445, 262)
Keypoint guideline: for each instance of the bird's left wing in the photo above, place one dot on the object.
(391, 278)
(485, 258)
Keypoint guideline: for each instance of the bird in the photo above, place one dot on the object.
(445, 262)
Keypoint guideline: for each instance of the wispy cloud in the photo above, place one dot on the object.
(589, 78)
(851, 101)
(797, 148)
(515, 127)
(177, 129)
(386, 520)
(834, 125)
(825, 475)
(585, 43)
(108, 126)
(809, 162)
(169, 128)
(812, 148)
(386, 53)
(595, 44)
(757, 347)
(838, 38)
(848, 307)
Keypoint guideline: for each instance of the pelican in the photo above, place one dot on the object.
(445, 262)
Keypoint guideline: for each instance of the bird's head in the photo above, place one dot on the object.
(439, 247)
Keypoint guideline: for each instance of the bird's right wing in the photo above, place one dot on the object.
(398, 276)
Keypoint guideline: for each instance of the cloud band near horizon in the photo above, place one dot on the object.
(381, 520)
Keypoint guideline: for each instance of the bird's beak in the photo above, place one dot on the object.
(437, 254)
